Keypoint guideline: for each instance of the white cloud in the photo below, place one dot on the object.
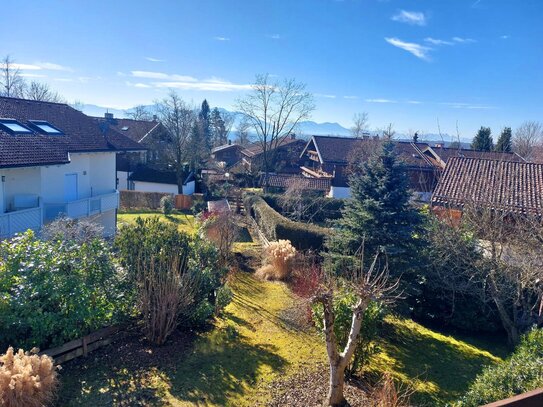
(461, 40)
(137, 85)
(162, 75)
(38, 66)
(33, 75)
(154, 59)
(221, 38)
(321, 95)
(505, 37)
(410, 17)
(213, 85)
(350, 97)
(414, 102)
(435, 41)
(380, 101)
(420, 51)
(274, 36)
(462, 105)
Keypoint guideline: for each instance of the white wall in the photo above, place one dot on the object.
(339, 192)
(122, 176)
(107, 220)
(102, 168)
(19, 181)
(155, 187)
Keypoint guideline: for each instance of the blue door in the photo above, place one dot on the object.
(70, 187)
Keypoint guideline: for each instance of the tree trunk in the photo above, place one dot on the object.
(335, 396)
(513, 336)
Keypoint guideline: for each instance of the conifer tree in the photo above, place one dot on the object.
(483, 140)
(379, 214)
(505, 142)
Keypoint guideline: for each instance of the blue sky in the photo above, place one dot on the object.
(410, 63)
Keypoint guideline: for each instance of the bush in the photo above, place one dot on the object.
(303, 236)
(222, 229)
(344, 301)
(224, 297)
(277, 261)
(77, 230)
(26, 380)
(54, 291)
(322, 208)
(522, 372)
(141, 200)
(166, 204)
(154, 241)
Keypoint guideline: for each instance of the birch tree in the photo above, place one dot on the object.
(12, 84)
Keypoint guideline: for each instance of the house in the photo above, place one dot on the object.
(327, 157)
(281, 182)
(56, 161)
(286, 156)
(229, 154)
(150, 179)
(439, 155)
(150, 134)
(511, 187)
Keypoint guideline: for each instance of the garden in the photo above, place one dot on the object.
(274, 307)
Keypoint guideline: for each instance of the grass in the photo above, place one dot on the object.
(184, 220)
(437, 366)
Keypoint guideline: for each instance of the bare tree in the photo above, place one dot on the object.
(139, 112)
(42, 92)
(371, 285)
(527, 138)
(178, 119)
(360, 124)
(242, 132)
(77, 105)
(12, 84)
(389, 132)
(274, 110)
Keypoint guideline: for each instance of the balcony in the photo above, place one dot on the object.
(19, 221)
(82, 208)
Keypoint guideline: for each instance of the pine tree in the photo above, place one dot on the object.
(483, 140)
(505, 143)
(379, 215)
(218, 128)
(204, 117)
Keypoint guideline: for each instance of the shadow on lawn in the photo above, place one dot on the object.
(443, 368)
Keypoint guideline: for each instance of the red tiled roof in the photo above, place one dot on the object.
(284, 181)
(515, 187)
(81, 133)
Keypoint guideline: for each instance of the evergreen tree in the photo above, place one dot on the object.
(483, 140)
(379, 215)
(505, 142)
(204, 117)
(218, 128)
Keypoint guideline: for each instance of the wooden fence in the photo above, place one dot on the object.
(82, 346)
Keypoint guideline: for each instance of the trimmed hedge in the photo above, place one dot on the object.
(141, 200)
(328, 208)
(275, 226)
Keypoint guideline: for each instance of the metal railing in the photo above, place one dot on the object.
(82, 207)
(20, 221)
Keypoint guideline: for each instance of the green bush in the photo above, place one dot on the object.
(57, 290)
(520, 373)
(344, 300)
(303, 236)
(150, 237)
(224, 297)
(166, 204)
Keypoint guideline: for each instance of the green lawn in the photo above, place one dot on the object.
(184, 220)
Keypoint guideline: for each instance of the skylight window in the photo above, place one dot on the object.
(45, 127)
(125, 128)
(14, 127)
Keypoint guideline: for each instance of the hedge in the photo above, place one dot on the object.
(329, 208)
(275, 226)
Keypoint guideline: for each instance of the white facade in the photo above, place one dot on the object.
(339, 192)
(85, 187)
(143, 186)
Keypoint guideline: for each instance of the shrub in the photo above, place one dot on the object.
(389, 394)
(303, 236)
(140, 200)
(222, 229)
(155, 243)
(278, 257)
(522, 372)
(166, 204)
(224, 297)
(77, 230)
(26, 380)
(343, 304)
(54, 291)
(319, 208)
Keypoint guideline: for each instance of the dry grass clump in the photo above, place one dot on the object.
(388, 394)
(278, 258)
(26, 379)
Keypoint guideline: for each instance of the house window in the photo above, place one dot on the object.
(14, 127)
(45, 127)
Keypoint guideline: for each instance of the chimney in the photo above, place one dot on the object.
(155, 118)
(293, 136)
(108, 116)
(416, 137)
(229, 142)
